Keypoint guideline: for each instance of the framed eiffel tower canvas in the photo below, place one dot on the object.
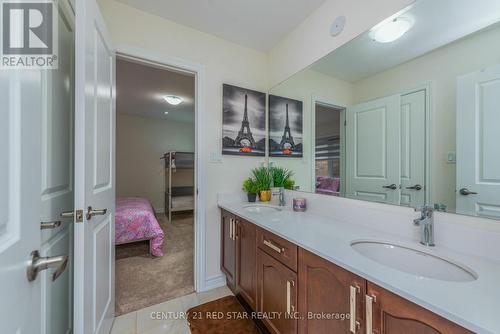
(285, 127)
(243, 121)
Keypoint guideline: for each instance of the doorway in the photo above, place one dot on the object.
(329, 152)
(155, 184)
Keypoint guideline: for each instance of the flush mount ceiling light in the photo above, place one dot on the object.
(173, 100)
(390, 31)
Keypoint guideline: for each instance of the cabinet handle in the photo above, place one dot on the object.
(275, 248)
(231, 228)
(353, 324)
(369, 300)
(289, 307)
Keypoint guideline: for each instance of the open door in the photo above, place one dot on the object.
(94, 173)
(478, 155)
(373, 150)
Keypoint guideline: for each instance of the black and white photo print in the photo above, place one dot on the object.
(243, 121)
(285, 127)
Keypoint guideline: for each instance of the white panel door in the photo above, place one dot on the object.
(94, 172)
(372, 150)
(478, 138)
(20, 178)
(413, 149)
(57, 196)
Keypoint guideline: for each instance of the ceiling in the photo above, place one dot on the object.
(140, 90)
(258, 24)
(437, 23)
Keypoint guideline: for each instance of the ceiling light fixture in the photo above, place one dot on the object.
(173, 100)
(166, 112)
(390, 31)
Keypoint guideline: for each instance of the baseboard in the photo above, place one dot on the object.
(215, 282)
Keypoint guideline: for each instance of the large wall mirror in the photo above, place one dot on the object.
(407, 113)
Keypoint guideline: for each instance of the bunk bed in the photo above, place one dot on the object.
(179, 182)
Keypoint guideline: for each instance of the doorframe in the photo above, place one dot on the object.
(315, 99)
(182, 65)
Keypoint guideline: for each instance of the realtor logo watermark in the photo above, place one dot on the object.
(29, 34)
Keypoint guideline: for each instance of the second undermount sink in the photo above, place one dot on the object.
(414, 261)
(261, 208)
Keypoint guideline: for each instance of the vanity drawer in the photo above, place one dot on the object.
(279, 248)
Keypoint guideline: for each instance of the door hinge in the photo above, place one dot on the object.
(79, 216)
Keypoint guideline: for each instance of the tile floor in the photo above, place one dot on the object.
(166, 317)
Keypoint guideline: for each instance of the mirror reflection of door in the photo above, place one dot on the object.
(386, 155)
(478, 153)
(329, 150)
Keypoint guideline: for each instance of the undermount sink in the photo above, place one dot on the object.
(413, 261)
(259, 208)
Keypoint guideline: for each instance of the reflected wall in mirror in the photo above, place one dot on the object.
(407, 113)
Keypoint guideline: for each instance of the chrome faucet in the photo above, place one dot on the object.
(282, 197)
(426, 223)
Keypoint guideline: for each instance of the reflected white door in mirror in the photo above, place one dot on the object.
(385, 145)
(478, 138)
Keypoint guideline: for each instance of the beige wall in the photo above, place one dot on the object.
(440, 68)
(305, 86)
(140, 143)
(224, 62)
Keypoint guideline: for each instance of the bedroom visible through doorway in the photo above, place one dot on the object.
(155, 184)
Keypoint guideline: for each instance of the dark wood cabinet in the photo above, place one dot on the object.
(228, 248)
(276, 294)
(296, 291)
(246, 258)
(328, 297)
(392, 314)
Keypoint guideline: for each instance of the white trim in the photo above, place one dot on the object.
(215, 282)
(198, 70)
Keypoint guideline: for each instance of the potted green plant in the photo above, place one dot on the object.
(250, 187)
(263, 179)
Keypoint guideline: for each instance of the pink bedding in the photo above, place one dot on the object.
(135, 220)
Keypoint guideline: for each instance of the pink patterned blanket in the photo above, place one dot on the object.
(135, 220)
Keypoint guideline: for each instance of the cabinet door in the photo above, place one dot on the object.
(246, 266)
(276, 294)
(228, 248)
(392, 314)
(328, 297)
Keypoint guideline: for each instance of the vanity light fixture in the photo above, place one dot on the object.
(173, 99)
(390, 31)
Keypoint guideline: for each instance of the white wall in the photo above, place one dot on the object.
(311, 40)
(140, 143)
(224, 62)
(304, 86)
(441, 68)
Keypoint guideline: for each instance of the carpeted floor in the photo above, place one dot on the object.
(142, 280)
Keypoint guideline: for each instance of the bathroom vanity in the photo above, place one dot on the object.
(311, 272)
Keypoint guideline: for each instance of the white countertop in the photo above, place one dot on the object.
(474, 305)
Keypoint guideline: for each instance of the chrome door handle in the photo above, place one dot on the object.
(391, 186)
(50, 225)
(465, 192)
(39, 264)
(415, 187)
(67, 214)
(98, 212)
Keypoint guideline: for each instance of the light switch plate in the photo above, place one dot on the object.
(215, 157)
